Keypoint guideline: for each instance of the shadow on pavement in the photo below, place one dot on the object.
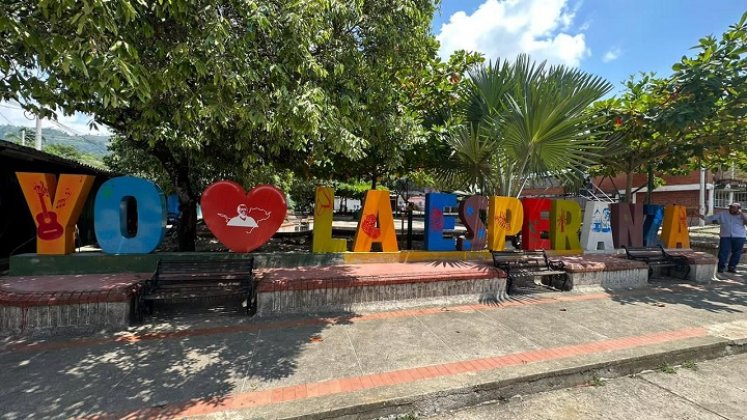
(727, 295)
(186, 359)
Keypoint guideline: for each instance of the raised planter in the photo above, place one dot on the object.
(375, 286)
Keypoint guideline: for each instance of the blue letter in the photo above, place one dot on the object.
(652, 223)
(436, 222)
(129, 216)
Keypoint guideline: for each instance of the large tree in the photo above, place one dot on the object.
(228, 86)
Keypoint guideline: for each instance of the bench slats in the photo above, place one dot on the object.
(658, 257)
(533, 263)
(178, 280)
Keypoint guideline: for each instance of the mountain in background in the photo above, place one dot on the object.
(96, 146)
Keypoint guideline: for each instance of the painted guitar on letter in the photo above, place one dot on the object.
(48, 227)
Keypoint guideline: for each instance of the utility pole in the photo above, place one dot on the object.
(38, 133)
(701, 198)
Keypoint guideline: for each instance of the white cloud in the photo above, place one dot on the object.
(504, 29)
(76, 124)
(611, 55)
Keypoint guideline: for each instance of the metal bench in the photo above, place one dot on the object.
(657, 257)
(520, 265)
(185, 280)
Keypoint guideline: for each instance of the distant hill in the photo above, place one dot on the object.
(93, 145)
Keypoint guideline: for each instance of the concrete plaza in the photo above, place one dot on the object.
(365, 365)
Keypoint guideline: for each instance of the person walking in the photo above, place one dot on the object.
(732, 236)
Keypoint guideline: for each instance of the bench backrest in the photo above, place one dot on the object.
(646, 253)
(521, 259)
(236, 270)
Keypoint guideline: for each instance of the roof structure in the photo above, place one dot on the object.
(35, 158)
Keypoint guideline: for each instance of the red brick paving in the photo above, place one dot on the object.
(404, 376)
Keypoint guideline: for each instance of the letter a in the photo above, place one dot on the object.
(674, 233)
(376, 207)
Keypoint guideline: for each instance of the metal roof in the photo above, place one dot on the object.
(24, 153)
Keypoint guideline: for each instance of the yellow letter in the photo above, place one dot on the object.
(323, 208)
(55, 215)
(566, 222)
(674, 233)
(377, 204)
(505, 217)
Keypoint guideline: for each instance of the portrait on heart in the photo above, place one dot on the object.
(243, 221)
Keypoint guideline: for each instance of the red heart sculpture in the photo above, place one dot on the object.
(243, 221)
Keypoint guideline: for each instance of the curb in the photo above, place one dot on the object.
(431, 403)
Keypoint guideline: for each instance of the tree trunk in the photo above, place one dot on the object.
(187, 229)
(374, 178)
(650, 182)
(628, 187)
(179, 175)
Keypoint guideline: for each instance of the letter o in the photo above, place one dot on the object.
(111, 216)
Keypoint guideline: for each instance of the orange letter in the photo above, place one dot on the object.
(674, 233)
(55, 215)
(323, 207)
(505, 217)
(377, 204)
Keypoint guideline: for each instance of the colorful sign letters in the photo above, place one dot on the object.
(130, 213)
(544, 224)
(130, 218)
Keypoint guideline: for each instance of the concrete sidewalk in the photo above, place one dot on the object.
(710, 390)
(366, 365)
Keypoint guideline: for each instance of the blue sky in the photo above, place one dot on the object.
(612, 39)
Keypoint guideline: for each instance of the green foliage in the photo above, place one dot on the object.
(352, 190)
(597, 381)
(695, 117)
(471, 164)
(203, 91)
(667, 368)
(302, 194)
(523, 119)
(690, 364)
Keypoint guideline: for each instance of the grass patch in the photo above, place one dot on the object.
(667, 368)
(597, 381)
(690, 364)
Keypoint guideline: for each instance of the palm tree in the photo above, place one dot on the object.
(533, 116)
(471, 164)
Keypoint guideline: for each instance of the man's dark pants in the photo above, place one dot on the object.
(728, 246)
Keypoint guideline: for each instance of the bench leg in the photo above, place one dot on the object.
(560, 282)
(141, 307)
(251, 301)
(683, 269)
(509, 283)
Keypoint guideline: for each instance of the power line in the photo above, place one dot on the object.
(64, 127)
(6, 118)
